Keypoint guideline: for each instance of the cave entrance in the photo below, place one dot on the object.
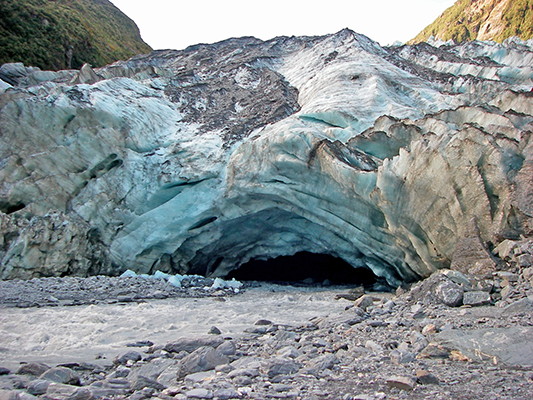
(304, 268)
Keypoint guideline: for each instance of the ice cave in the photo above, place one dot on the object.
(305, 268)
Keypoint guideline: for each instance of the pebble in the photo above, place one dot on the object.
(364, 302)
(226, 394)
(199, 393)
(214, 331)
(476, 298)
(141, 382)
(425, 378)
(401, 382)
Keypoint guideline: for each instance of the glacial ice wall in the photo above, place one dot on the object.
(197, 161)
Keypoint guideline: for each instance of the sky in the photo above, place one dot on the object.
(176, 24)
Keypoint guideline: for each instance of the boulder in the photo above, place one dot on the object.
(512, 345)
(191, 344)
(38, 387)
(202, 359)
(61, 375)
(35, 369)
(130, 356)
(450, 293)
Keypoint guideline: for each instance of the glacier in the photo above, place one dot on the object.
(196, 161)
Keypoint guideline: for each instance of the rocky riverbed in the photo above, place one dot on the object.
(147, 339)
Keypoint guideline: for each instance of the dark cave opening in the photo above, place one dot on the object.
(305, 268)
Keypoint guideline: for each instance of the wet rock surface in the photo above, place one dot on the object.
(408, 345)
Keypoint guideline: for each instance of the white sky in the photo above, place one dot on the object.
(176, 24)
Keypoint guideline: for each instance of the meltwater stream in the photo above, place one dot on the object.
(98, 333)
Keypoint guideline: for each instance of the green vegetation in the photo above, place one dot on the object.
(517, 20)
(60, 34)
(462, 21)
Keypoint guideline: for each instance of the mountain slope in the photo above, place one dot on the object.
(482, 20)
(66, 34)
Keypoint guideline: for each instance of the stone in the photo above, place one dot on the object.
(401, 382)
(458, 277)
(476, 298)
(249, 372)
(525, 260)
(507, 277)
(202, 359)
(434, 350)
(35, 369)
(199, 393)
(99, 392)
(4, 371)
(506, 248)
(132, 356)
(226, 394)
(224, 368)
(61, 375)
(511, 346)
(263, 322)
(141, 382)
(138, 396)
(59, 391)
(191, 344)
(242, 381)
(282, 366)
(227, 348)
(506, 291)
(120, 372)
(38, 387)
(364, 302)
(27, 396)
(524, 305)
(401, 357)
(9, 394)
(322, 362)
(449, 293)
(214, 331)
(288, 352)
(429, 329)
(527, 273)
(141, 343)
(199, 377)
(424, 377)
(363, 396)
